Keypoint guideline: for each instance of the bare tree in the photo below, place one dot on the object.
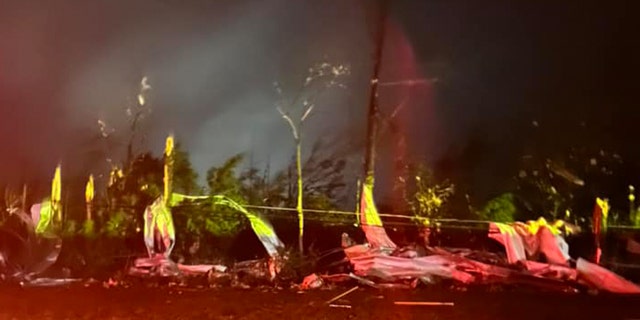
(320, 77)
(135, 113)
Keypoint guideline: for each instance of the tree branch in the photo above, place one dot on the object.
(286, 117)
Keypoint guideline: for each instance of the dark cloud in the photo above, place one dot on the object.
(211, 67)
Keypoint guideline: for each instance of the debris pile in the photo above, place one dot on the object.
(407, 267)
(381, 264)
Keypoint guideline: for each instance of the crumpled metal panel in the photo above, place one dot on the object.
(28, 253)
(604, 279)
(525, 240)
(392, 268)
(159, 231)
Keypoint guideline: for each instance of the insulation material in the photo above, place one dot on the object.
(510, 239)
(522, 241)
(391, 268)
(546, 270)
(370, 220)
(159, 231)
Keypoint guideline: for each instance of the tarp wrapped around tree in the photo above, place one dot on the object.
(40, 244)
(370, 219)
(159, 230)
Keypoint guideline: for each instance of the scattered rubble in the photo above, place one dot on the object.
(381, 264)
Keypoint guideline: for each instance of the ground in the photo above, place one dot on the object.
(96, 302)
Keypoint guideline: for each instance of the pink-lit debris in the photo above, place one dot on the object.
(370, 219)
(201, 268)
(633, 246)
(34, 253)
(312, 281)
(546, 270)
(538, 236)
(49, 282)
(604, 279)
(389, 268)
(161, 266)
(383, 267)
(523, 241)
(423, 303)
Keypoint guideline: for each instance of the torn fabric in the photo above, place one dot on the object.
(523, 241)
(159, 231)
(604, 279)
(370, 219)
(158, 224)
(262, 228)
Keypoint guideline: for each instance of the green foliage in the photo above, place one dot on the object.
(69, 228)
(200, 219)
(88, 229)
(184, 177)
(425, 195)
(500, 209)
(224, 181)
(118, 224)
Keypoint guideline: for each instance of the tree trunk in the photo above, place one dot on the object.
(299, 203)
(89, 217)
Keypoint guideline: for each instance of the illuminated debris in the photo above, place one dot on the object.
(89, 194)
(34, 236)
(159, 231)
(42, 214)
(312, 281)
(547, 239)
(407, 267)
(159, 224)
(604, 279)
(633, 246)
(525, 240)
(370, 219)
(259, 225)
(49, 282)
(251, 273)
(390, 268)
(600, 215)
(346, 240)
(422, 303)
(25, 254)
(157, 265)
(159, 237)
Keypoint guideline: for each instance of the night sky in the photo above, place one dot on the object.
(493, 68)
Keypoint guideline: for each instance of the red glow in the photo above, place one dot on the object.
(408, 100)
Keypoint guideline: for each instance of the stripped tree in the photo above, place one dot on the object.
(320, 77)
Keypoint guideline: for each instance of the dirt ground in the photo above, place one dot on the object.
(96, 302)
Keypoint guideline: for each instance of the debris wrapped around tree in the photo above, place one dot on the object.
(381, 264)
(159, 238)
